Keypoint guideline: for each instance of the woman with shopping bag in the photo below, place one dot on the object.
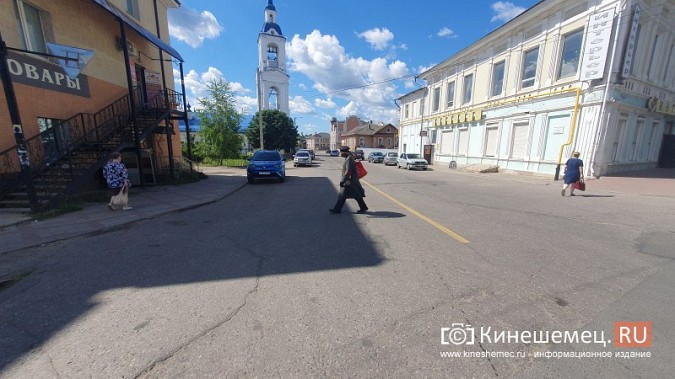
(574, 174)
(117, 177)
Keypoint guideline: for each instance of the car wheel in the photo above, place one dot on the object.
(250, 180)
(282, 178)
(424, 169)
(407, 167)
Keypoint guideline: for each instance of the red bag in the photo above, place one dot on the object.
(360, 170)
(580, 185)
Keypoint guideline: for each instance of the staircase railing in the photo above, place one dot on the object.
(58, 143)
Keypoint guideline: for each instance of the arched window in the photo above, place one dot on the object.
(273, 101)
(272, 53)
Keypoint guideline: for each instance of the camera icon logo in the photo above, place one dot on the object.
(457, 334)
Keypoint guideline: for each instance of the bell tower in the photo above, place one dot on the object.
(271, 78)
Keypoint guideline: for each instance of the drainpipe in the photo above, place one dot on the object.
(572, 132)
(15, 116)
(132, 102)
(167, 129)
(185, 115)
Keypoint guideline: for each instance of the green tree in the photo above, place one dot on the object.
(280, 132)
(219, 123)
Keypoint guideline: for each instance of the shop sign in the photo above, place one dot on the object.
(598, 35)
(43, 74)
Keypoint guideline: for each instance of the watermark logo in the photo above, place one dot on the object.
(457, 334)
(633, 334)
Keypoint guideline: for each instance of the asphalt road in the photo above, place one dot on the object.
(267, 283)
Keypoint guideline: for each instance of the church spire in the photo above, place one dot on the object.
(270, 25)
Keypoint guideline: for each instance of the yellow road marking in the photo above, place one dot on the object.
(433, 223)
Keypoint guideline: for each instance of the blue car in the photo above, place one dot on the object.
(266, 164)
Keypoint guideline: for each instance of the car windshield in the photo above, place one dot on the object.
(302, 154)
(391, 154)
(376, 154)
(266, 156)
(413, 156)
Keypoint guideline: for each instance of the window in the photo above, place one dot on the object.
(530, 67)
(665, 69)
(451, 94)
(498, 78)
(571, 53)
(519, 139)
(274, 99)
(132, 8)
(652, 142)
(380, 141)
(491, 139)
(31, 22)
(437, 99)
(463, 145)
(54, 135)
(637, 41)
(651, 58)
(468, 88)
(636, 137)
(414, 107)
(407, 113)
(362, 141)
(389, 142)
(621, 126)
(271, 53)
(447, 142)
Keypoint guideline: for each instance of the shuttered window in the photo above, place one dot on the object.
(463, 142)
(519, 142)
(447, 139)
(491, 137)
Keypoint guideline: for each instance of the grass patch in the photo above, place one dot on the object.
(183, 178)
(68, 206)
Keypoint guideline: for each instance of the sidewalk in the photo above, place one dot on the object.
(20, 231)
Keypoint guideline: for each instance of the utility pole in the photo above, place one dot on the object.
(260, 108)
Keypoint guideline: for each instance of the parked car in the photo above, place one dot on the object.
(358, 154)
(302, 158)
(334, 153)
(266, 164)
(411, 161)
(376, 157)
(390, 159)
(311, 153)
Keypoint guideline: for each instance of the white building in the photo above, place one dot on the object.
(271, 76)
(591, 76)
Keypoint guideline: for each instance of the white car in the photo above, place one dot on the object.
(390, 159)
(302, 158)
(411, 161)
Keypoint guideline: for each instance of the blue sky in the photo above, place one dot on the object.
(345, 57)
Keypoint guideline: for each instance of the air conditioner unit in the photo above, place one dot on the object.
(132, 48)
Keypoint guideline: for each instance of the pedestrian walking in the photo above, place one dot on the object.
(574, 171)
(117, 177)
(350, 186)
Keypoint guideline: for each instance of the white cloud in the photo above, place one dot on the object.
(196, 86)
(324, 61)
(192, 27)
(446, 32)
(299, 104)
(377, 38)
(505, 11)
(321, 103)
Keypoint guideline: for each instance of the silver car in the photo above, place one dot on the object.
(302, 158)
(411, 161)
(390, 159)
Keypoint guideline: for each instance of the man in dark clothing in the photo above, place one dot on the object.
(350, 186)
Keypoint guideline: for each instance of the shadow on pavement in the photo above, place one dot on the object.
(261, 230)
(384, 214)
(655, 173)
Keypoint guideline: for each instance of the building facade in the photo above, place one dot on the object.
(318, 142)
(129, 74)
(590, 76)
(272, 77)
(369, 135)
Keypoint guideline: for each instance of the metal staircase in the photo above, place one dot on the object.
(65, 157)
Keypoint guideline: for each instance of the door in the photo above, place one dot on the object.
(141, 85)
(667, 155)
